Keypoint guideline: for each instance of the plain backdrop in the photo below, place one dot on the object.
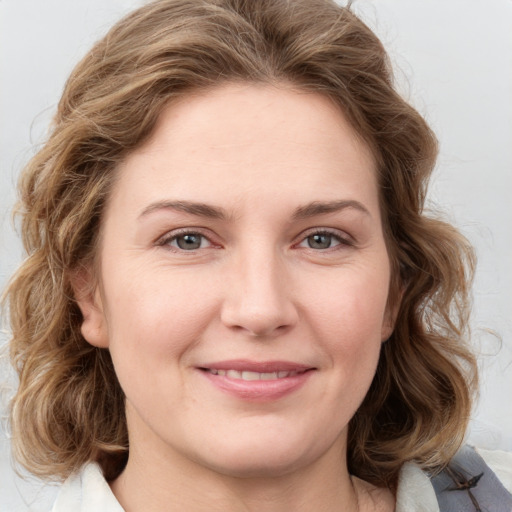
(453, 61)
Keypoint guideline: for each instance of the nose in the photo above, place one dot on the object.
(259, 299)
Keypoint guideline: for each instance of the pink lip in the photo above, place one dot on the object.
(258, 390)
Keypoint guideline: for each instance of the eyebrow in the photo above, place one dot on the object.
(302, 212)
(323, 208)
(199, 209)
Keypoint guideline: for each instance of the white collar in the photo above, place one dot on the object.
(415, 491)
(87, 491)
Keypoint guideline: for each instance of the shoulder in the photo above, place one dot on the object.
(86, 491)
(474, 475)
(501, 464)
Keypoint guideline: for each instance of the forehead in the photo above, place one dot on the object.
(256, 114)
(250, 141)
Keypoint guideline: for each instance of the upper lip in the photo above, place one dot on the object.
(257, 366)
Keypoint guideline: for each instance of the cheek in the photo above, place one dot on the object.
(350, 304)
(347, 316)
(155, 317)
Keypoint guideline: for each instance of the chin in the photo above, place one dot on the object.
(249, 466)
(254, 460)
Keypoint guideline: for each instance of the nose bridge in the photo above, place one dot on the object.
(258, 299)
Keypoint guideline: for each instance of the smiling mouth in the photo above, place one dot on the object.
(257, 381)
(252, 375)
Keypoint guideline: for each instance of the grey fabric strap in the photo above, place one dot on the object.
(469, 485)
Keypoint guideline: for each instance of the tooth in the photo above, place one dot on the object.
(250, 375)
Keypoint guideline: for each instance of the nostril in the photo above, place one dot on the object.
(259, 305)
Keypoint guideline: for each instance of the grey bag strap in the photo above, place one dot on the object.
(469, 485)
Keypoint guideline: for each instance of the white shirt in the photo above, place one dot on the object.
(88, 491)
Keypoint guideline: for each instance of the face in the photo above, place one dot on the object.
(244, 281)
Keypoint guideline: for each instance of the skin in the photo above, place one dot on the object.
(257, 285)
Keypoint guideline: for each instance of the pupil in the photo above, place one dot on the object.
(319, 241)
(189, 242)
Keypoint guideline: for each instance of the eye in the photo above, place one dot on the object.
(189, 242)
(185, 241)
(322, 240)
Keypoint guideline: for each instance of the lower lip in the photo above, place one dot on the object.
(259, 390)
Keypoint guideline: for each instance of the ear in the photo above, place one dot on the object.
(387, 327)
(391, 314)
(88, 297)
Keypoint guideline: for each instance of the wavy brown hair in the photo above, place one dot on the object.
(69, 408)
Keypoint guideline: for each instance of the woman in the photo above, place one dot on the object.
(230, 284)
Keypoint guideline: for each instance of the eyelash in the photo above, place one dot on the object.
(167, 239)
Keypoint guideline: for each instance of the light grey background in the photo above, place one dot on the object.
(454, 63)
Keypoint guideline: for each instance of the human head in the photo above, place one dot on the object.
(110, 106)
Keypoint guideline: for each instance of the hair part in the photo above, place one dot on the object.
(69, 408)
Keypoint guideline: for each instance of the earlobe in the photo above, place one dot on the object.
(88, 299)
(390, 316)
(387, 328)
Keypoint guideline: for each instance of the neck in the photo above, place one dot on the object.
(177, 484)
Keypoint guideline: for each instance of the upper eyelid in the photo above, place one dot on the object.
(174, 233)
(338, 233)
